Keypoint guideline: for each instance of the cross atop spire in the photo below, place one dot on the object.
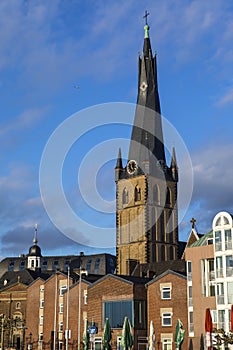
(193, 222)
(145, 16)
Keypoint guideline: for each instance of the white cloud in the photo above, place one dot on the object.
(226, 99)
(26, 120)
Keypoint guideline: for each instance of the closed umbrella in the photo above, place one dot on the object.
(86, 336)
(208, 329)
(179, 336)
(126, 337)
(152, 337)
(107, 336)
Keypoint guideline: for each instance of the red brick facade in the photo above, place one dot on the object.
(176, 305)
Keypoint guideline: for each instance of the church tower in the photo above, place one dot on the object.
(34, 255)
(146, 188)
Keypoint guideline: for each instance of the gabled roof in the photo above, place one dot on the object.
(171, 272)
(131, 280)
(25, 277)
(204, 240)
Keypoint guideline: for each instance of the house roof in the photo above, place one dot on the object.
(180, 275)
(203, 240)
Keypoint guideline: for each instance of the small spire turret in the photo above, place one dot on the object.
(119, 166)
(173, 166)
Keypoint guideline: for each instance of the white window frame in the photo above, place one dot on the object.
(61, 326)
(164, 291)
(42, 303)
(41, 337)
(167, 316)
(85, 297)
(41, 320)
(61, 308)
(167, 344)
(63, 290)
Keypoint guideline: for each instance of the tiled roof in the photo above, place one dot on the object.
(203, 240)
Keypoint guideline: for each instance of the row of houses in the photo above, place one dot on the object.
(48, 311)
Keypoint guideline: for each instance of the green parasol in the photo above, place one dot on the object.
(107, 336)
(126, 337)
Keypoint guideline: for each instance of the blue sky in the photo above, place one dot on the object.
(60, 57)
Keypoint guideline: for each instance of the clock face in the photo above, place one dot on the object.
(132, 166)
(143, 86)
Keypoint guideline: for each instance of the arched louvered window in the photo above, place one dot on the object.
(137, 193)
(156, 194)
(125, 196)
(168, 197)
(153, 224)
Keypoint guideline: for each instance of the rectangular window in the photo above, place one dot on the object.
(189, 270)
(167, 344)
(60, 345)
(166, 319)
(190, 296)
(44, 265)
(62, 290)
(85, 297)
(11, 265)
(55, 264)
(214, 316)
(219, 268)
(166, 293)
(41, 337)
(230, 292)
(42, 303)
(61, 308)
(140, 314)
(116, 312)
(220, 293)
(228, 240)
(191, 324)
(41, 320)
(218, 241)
(229, 265)
(221, 319)
(61, 326)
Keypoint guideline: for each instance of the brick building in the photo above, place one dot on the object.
(167, 302)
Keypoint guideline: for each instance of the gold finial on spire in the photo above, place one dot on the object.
(193, 222)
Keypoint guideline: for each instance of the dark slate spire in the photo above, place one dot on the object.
(119, 166)
(119, 160)
(147, 129)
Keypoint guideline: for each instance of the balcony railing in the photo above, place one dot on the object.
(190, 301)
(220, 299)
(212, 276)
(229, 271)
(228, 245)
(219, 272)
(218, 246)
